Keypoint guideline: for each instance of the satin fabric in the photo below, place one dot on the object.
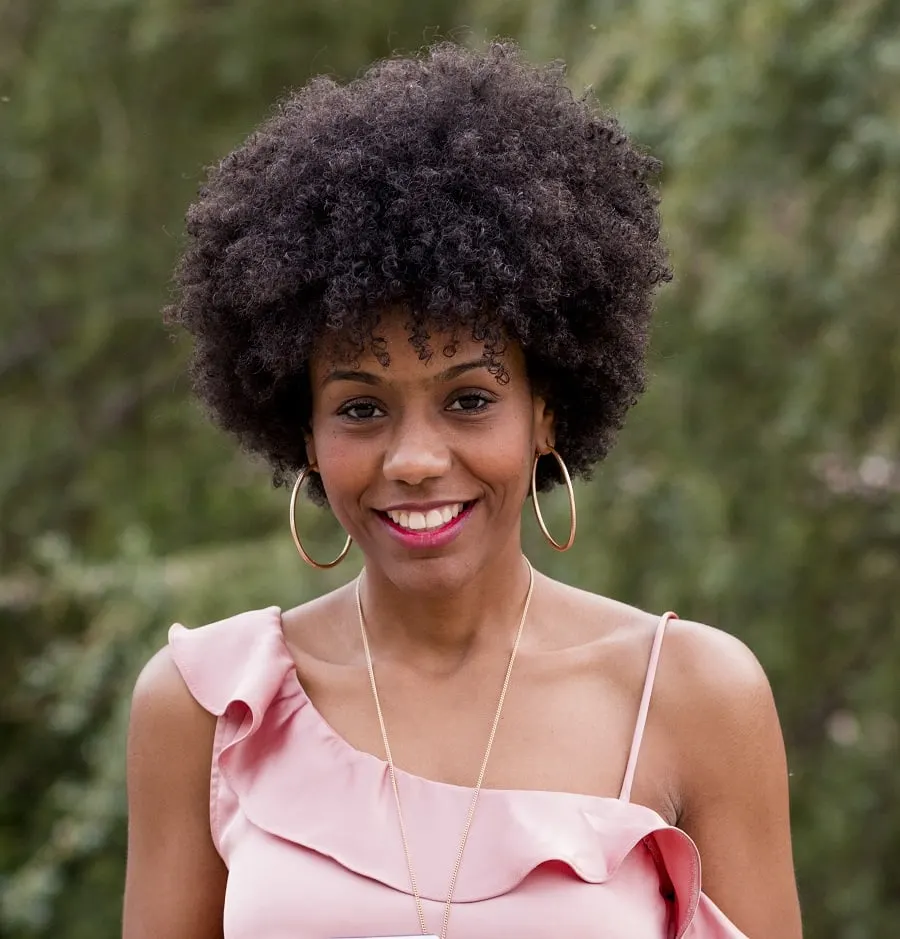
(307, 826)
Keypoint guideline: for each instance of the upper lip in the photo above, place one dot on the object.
(423, 506)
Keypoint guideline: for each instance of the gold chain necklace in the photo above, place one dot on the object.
(390, 760)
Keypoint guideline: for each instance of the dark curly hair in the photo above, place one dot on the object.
(469, 190)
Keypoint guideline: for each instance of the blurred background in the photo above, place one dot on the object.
(756, 486)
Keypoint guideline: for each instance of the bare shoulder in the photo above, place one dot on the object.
(732, 776)
(712, 709)
(702, 661)
(716, 703)
(170, 741)
(175, 879)
(160, 685)
(699, 664)
(711, 682)
(163, 709)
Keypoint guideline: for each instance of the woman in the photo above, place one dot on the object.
(427, 295)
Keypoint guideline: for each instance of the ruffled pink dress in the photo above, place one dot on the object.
(307, 826)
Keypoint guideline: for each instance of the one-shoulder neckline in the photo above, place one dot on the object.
(344, 743)
(283, 769)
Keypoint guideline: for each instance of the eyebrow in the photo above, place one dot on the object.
(369, 378)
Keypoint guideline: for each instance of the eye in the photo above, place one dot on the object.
(471, 401)
(360, 410)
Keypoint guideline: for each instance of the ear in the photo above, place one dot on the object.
(310, 449)
(544, 425)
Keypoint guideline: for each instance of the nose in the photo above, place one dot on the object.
(417, 452)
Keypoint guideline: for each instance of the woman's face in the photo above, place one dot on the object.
(426, 464)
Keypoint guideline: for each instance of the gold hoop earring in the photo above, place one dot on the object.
(537, 509)
(304, 473)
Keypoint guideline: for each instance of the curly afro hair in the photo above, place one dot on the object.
(469, 190)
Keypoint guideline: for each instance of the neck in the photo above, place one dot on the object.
(440, 631)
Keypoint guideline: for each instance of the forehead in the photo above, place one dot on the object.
(394, 355)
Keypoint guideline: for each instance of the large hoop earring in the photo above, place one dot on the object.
(571, 493)
(304, 474)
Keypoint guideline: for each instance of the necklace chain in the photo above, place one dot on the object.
(393, 775)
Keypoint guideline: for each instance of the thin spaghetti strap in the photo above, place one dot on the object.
(625, 794)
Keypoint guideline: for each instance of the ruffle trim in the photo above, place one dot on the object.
(295, 778)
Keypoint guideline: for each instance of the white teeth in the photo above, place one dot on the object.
(423, 521)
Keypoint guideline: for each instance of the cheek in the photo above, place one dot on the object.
(346, 467)
(504, 457)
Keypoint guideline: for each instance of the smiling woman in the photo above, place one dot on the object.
(423, 296)
(425, 460)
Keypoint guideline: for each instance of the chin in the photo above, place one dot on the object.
(429, 576)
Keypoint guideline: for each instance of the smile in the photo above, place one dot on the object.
(426, 521)
(427, 528)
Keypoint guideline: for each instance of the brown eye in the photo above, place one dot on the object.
(360, 410)
(470, 401)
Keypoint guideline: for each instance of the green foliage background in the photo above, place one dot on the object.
(756, 487)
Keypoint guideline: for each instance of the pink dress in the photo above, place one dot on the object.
(307, 826)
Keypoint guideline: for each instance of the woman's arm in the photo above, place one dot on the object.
(733, 779)
(175, 879)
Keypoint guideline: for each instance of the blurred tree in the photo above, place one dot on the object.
(757, 486)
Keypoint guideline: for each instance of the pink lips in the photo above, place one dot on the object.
(433, 538)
